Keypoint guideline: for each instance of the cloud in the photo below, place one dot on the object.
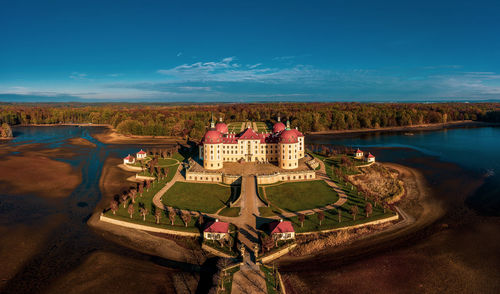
(179, 54)
(114, 75)
(78, 76)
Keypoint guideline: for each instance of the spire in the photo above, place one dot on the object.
(212, 124)
(279, 117)
(288, 124)
(220, 118)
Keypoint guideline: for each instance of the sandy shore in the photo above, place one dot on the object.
(110, 136)
(81, 142)
(421, 127)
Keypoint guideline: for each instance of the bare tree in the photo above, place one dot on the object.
(157, 215)
(144, 212)
(267, 243)
(186, 218)
(354, 211)
(302, 218)
(368, 209)
(114, 206)
(132, 195)
(131, 209)
(200, 220)
(171, 216)
(321, 216)
(124, 198)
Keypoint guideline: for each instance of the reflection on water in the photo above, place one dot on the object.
(475, 149)
(71, 239)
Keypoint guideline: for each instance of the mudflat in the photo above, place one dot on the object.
(35, 172)
(81, 142)
(110, 136)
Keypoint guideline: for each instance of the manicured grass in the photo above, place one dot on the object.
(228, 281)
(166, 161)
(267, 211)
(230, 211)
(262, 127)
(146, 202)
(171, 172)
(271, 280)
(234, 127)
(299, 196)
(198, 197)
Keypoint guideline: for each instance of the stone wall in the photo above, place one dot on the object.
(277, 254)
(286, 177)
(145, 227)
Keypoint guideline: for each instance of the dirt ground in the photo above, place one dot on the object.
(35, 173)
(81, 142)
(105, 272)
(110, 136)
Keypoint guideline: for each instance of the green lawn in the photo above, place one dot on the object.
(262, 127)
(271, 280)
(234, 127)
(299, 196)
(267, 211)
(199, 197)
(230, 211)
(166, 161)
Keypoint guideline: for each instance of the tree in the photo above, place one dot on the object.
(124, 198)
(171, 216)
(131, 209)
(267, 243)
(157, 215)
(5, 131)
(186, 218)
(354, 211)
(132, 194)
(148, 185)
(302, 218)
(321, 216)
(368, 209)
(114, 206)
(144, 212)
(200, 220)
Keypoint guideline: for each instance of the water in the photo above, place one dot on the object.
(475, 149)
(67, 243)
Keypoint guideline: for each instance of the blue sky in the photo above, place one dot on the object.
(209, 51)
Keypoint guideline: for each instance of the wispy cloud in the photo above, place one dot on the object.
(179, 54)
(78, 76)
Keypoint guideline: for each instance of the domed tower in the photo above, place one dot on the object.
(221, 127)
(279, 126)
(211, 150)
(288, 147)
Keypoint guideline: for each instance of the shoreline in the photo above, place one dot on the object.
(421, 127)
(423, 211)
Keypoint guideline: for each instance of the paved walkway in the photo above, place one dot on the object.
(157, 198)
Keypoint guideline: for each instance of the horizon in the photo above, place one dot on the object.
(225, 52)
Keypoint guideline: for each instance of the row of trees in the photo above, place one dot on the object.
(192, 120)
(5, 131)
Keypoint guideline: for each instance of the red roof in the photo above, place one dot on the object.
(278, 127)
(370, 155)
(217, 227)
(212, 137)
(249, 134)
(141, 152)
(289, 136)
(221, 127)
(359, 151)
(281, 227)
(129, 157)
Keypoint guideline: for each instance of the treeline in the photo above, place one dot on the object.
(192, 120)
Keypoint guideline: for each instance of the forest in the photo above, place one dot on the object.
(192, 120)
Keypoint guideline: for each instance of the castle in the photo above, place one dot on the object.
(283, 146)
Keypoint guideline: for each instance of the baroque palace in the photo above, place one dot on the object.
(284, 146)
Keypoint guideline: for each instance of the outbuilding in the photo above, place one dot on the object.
(281, 230)
(358, 154)
(370, 158)
(129, 160)
(216, 230)
(141, 155)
